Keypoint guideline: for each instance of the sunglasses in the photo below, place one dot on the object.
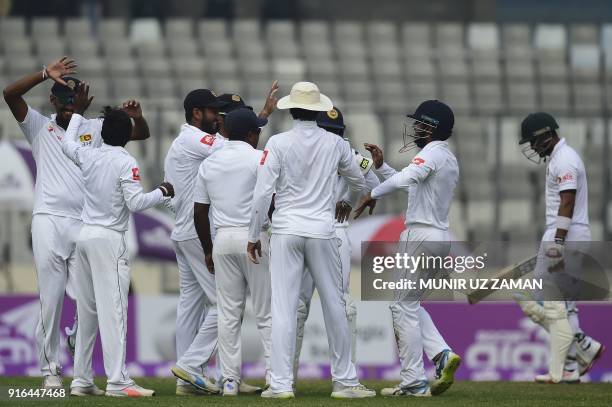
(65, 100)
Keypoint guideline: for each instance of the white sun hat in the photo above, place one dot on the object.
(306, 95)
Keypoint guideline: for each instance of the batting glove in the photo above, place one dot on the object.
(554, 254)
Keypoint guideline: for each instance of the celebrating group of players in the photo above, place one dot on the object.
(271, 223)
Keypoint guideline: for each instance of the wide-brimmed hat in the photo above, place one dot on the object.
(306, 95)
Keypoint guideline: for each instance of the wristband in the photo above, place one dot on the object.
(164, 190)
(560, 240)
(563, 222)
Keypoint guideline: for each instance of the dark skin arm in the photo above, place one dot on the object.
(141, 127)
(566, 208)
(202, 226)
(271, 101)
(13, 93)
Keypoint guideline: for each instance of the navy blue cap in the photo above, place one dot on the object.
(535, 123)
(68, 90)
(331, 119)
(230, 101)
(200, 98)
(240, 122)
(436, 114)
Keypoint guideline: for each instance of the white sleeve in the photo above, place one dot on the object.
(135, 198)
(70, 148)
(371, 180)
(566, 176)
(31, 125)
(385, 171)
(200, 192)
(202, 145)
(269, 171)
(349, 170)
(415, 173)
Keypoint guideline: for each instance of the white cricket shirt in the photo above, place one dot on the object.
(566, 171)
(226, 181)
(188, 150)
(302, 166)
(430, 182)
(59, 183)
(111, 179)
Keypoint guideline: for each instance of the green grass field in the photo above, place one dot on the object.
(316, 393)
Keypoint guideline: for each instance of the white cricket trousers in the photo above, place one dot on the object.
(562, 316)
(307, 291)
(196, 314)
(236, 276)
(413, 327)
(289, 256)
(53, 244)
(102, 282)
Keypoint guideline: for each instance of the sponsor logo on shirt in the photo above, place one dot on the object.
(135, 174)
(208, 140)
(565, 178)
(418, 161)
(263, 157)
(50, 128)
(364, 163)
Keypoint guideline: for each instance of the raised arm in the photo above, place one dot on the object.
(141, 127)
(13, 93)
(271, 101)
(381, 168)
(71, 148)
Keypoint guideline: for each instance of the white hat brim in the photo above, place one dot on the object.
(325, 104)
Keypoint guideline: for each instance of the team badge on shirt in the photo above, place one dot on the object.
(208, 140)
(418, 161)
(364, 163)
(85, 139)
(135, 174)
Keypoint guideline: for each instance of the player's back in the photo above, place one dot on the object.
(104, 169)
(181, 165)
(309, 158)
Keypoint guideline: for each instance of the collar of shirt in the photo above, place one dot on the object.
(237, 144)
(304, 124)
(559, 144)
(108, 147)
(435, 143)
(187, 126)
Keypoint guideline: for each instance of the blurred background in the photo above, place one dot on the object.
(492, 61)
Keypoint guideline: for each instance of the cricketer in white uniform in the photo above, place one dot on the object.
(333, 122)
(196, 336)
(429, 181)
(301, 165)
(237, 165)
(572, 352)
(112, 189)
(58, 199)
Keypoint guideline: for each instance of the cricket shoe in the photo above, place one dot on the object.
(588, 350)
(246, 388)
(569, 377)
(230, 388)
(189, 390)
(447, 364)
(201, 382)
(52, 382)
(419, 388)
(131, 391)
(340, 391)
(84, 391)
(269, 394)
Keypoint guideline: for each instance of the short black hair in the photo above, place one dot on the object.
(303, 114)
(117, 127)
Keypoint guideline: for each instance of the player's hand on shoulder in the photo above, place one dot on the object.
(253, 250)
(167, 189)
(60, 67)
(82, 100)
(377, 154)
(210, 265)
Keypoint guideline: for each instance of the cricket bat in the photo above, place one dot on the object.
(513, 272)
